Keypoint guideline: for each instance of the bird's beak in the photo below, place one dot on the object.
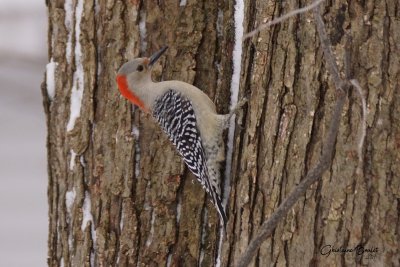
(153, 59)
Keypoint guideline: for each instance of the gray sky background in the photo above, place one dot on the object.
(23, 176)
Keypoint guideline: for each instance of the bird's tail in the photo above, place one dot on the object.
(216, 197)
(221, 211)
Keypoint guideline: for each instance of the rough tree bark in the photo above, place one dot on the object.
(120, 196)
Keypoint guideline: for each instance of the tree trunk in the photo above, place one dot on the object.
(119, 195)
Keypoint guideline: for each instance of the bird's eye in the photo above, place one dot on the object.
(140, 68)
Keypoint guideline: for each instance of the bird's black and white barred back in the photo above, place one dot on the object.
(177, 118)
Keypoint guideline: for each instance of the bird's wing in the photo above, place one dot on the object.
(177, 118)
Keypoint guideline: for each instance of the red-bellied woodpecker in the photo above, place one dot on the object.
(187, 116)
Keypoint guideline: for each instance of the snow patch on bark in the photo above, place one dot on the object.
(121, 221)
(72, 160)
(82, 161)
(96, 7)
(203, 236)
(150, 238)
(86, 210)
(88, 217)
(221, 238)
(183, 3)
(50, 78)
(68, 7)
(135, 131)
(169, 259)
(237, 66)
(179, 209)
(78, 78)
(143, 32)
(136, 134)
(69, 200)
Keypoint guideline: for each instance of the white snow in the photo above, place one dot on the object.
(237, 65)
(92, 258)
(143, 32)
(169, 259)
(136, 134)
(50, 78)
(137, 159)
(150, 238)
(78, 79)
(72, 160)
(183, 3)
(179, 209)
(96, 7)
(99, 66)
(87, 214)
(121, 221)
(86, 209)
(203, 236)
(70, 241)
(135, 131)
(88, 217)
(201, 258)
(70, 199)
(237, 59)
(68, 7)
(221, 239)
(82, 160)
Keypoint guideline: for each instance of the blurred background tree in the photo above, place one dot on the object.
(23, 200)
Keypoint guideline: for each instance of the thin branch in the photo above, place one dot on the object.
(347, 57)
(280, 19)
(363, 130)
(326, 46)
(324, 162)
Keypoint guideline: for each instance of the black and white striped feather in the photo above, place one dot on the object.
(176, 116)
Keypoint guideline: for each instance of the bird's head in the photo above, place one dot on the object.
(138, 72)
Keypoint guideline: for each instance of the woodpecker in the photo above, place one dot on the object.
(188, 117)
